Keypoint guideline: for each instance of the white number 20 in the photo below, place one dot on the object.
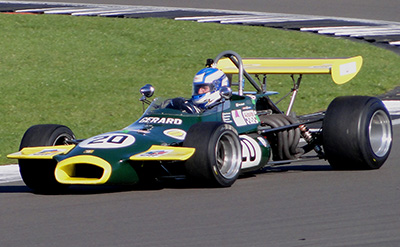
(112, 140)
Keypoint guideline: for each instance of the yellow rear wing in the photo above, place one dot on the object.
(342, 70)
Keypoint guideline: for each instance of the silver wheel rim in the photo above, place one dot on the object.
(62, 139)
(228, 155)
(380, 133)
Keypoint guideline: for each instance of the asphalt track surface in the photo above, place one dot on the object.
(303, 204)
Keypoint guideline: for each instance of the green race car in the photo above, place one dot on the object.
(215, 136)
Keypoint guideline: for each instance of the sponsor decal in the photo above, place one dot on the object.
(48, 152)
(154, 153)
(112, 140)
(175, 133)
(250, 117)
(226, 117)
(251, 151)
(158, 120)
(142, 131)
(251, 96)
(240, 104)
(348, 68)
(242, 118)
(238, 118)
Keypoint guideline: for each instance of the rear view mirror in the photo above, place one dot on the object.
(147, 91)
(226, 92)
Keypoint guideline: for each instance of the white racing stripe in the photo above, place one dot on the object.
(393, 107)
(9, 173)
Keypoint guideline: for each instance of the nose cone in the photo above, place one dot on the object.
(83, 169)
(91, 170)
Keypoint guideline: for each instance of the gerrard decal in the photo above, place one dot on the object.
(158, 120)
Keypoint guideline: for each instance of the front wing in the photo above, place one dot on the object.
(90, 169)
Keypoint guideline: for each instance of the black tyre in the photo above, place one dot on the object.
(357, 133)
(39, 174)
(218, 157)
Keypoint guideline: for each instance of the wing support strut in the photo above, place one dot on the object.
(295, 90)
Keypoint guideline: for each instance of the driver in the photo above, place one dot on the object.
(206, 86)
(206, 91)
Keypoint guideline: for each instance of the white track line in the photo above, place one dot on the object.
(9, 173)
(393, 107)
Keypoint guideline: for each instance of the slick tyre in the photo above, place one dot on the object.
(357, 133)
(218, 156)
(39, 174)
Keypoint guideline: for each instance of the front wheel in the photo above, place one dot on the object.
(218, 156)
(357, 133)
(39, 174)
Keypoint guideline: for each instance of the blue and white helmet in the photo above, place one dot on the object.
(206, 85)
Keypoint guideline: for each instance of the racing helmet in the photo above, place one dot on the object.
(206, 86)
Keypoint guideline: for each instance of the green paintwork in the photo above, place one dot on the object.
(153, 128)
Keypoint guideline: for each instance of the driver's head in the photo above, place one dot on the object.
(206, 85)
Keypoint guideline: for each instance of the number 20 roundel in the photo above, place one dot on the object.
(251, 152)
(112, 140)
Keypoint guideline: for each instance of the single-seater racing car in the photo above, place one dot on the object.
(218, 134)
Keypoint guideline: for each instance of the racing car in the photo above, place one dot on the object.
(215, 137)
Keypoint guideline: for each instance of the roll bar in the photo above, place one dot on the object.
(238, 62)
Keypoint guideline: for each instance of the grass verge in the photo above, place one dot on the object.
(85, 72)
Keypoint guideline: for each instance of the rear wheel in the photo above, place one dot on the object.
(218, 157)
(357, 133)
(39, 174)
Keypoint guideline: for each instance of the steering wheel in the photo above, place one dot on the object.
(182, 105)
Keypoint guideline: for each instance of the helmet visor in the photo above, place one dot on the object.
(202, 88)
